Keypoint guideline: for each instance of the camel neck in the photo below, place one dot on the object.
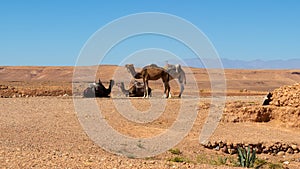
(110, 86)
(132, 71)
(124, 91)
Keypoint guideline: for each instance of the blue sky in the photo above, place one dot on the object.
(53, 32)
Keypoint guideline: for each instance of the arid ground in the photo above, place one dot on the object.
(40, 127)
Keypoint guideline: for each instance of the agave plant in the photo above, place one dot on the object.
(245, 158)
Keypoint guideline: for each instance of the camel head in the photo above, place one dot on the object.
(178, 68)
(111, 83)
(129, 68)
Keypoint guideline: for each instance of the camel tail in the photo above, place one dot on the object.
(138, 76)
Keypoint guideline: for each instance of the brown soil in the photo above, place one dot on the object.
(44, 132)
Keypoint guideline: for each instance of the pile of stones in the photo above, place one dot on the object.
(283, 108)
(277, 148)
(286, 96)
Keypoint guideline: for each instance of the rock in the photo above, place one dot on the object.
(280, 153)
(290, 151)
(232, 151)
(294, 147)
(286, 162)
(224, 149)
(217, 148)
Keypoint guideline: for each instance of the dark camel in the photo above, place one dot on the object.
(267, 99)
(98, 90)
(151, 72)
(136, 90)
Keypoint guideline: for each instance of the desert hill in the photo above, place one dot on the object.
(59, 78)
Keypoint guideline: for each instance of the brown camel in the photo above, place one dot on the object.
(151, 72)
(136, 90)
(98, 90)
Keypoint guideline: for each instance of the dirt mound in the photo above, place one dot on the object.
(8, 91)
(287, 96)
(283, 109)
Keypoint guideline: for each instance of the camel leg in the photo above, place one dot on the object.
(181, 88)
(146, 88)
(167, 90)
(169, 93)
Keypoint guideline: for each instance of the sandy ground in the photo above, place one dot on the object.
(44, 132)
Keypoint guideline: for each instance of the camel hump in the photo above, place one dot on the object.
(153, 65)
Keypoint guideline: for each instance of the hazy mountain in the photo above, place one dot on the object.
(253, 64)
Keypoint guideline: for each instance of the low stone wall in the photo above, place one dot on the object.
(277, 148)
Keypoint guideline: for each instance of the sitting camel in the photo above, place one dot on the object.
(151, 72)
(176, 72)
(136, 90)
(267, 99)
(98, 90)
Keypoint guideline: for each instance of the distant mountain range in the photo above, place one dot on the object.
(253, 64)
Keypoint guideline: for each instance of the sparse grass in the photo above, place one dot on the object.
(260, 162)
(140, 146)
(202, 159)
(251, 103)
(275, 166)
(131, 156)
(175, 151)
(179, 159)
(150, 158)
(219, 160)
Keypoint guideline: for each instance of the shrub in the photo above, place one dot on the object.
(245, 158)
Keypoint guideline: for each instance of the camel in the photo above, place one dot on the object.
(136, 90)
(151, 72)
(176, 72)
(267, 99)
(98, 90)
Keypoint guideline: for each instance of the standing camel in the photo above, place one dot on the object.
(136, 90)
(151, 72)
(176, 72)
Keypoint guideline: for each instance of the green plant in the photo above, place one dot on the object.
(221, 161)
(175, 151)
(202, 159)
(218, 161)
(275, 166)
(213, 160)
(179, 159)
(245, 158)
(260, 162)
(140, 146)
(131, 156)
